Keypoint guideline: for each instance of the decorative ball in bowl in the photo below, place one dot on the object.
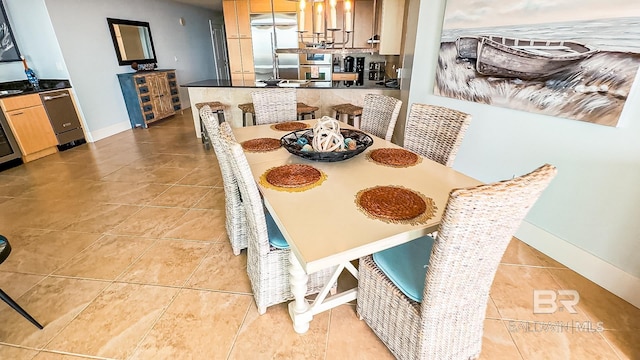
(298, 143)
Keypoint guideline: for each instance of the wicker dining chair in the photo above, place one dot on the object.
(447, 322)
(267, 266)
(274, 105)
(234, 210)
(379, 115)
(435, 132)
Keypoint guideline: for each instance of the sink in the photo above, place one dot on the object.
(9, 92)
(294, 83)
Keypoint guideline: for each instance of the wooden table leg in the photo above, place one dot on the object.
(298, 309)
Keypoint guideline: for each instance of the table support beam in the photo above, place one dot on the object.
(300, 311)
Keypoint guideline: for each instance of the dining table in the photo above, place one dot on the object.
(324, 225)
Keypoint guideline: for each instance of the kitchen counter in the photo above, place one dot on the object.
(312, 85)
(231, 96)
(25, 88)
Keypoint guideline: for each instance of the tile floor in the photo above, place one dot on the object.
(120, 251)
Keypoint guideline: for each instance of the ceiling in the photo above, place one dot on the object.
(209, 4)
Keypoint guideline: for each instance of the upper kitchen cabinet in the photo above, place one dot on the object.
(363, 24)
(236, 18)
(239, 46)
(390, 27)
(264, 6)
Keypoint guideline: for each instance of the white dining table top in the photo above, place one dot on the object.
(323, 225)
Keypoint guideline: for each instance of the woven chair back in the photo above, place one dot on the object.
(258, 237)
(234, 211)
(379, 115)
(476, 228)
(435, 132)
(274, 105)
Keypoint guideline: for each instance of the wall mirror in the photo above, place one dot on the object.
(132, 41)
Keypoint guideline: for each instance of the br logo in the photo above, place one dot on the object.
(546, 301)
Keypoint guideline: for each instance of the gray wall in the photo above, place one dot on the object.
(70, 39)
(592, 205)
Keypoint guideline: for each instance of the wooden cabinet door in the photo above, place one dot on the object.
(160, 95)
(235, 56)
(391, 20)
(230, 18)
(284, 5)
(246, 49)
(363, 23)
(244, 22)
(32, 129)
(260, 6)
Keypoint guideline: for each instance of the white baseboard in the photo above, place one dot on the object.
(110, 130)
(584, 263)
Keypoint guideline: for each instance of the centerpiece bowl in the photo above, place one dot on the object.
(291, 142)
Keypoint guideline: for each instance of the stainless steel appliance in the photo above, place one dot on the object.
(316, 68)
(8, 147)
(270, 32)
(315, 59)
(360, 70)
(349, 66)
(63, 117)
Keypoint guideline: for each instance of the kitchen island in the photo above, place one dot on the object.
(231, 96)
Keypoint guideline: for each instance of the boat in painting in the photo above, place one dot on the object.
(521, 58)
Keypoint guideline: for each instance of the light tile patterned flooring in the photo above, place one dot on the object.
(120, 251)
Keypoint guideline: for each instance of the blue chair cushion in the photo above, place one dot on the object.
(406, 265)
(275, 236)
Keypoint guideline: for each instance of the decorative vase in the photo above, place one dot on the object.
(31, 75)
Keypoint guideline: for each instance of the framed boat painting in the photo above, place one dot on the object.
(8, 48)
(574, 59)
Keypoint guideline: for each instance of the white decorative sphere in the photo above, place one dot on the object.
(327, 136)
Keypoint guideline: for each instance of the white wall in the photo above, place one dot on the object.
(36, 41)
(81, 30)
(591, 207)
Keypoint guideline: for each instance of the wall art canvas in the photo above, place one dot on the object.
(8, 48)
(574, 59)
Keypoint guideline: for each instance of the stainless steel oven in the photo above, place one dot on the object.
(315, 72)
(8, 147)
(315, 59)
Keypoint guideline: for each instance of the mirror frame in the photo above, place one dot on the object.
(112, 22)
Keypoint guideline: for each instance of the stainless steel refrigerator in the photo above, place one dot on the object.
(270, 32)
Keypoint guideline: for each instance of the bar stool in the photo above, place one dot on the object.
(246, 109)
(216, 107)
(354, 113)
(5, 250)
(304, 110)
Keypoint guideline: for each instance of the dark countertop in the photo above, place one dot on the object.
(26, 88)
(335, 85)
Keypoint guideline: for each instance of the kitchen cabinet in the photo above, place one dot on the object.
(264, 6)
(150, 95)
(30, 125)
(236, 18)
(390, 27)
(364, 26)
(239, 45)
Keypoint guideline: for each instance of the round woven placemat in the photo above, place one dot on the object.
(395, 204)
(394, 157)
(292, 177)
(289, 126)
(261, 145)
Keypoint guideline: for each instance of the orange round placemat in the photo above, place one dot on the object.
(261, 145)
(395, 204)
(289, 126)
(394, 157)
(292, 177)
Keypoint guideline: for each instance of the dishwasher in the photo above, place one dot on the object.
(64, 118)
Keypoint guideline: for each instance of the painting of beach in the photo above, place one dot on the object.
(534, 60)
